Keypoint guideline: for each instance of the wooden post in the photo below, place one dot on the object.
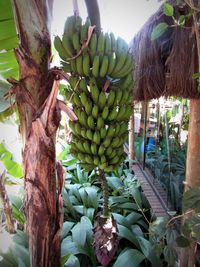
(131, 138)
(193, 152)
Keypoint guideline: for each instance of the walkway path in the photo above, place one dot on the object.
(153, 190)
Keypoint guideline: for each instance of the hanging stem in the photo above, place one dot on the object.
(104, 186)
(75, 7)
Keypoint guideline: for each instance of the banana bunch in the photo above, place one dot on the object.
(104, 55)
(103, 114)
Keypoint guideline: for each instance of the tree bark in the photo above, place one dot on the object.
(193, 151)
(39, 119)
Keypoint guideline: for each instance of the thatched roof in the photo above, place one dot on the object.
(164, 67)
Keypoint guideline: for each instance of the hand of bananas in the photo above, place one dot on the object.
(103, 115)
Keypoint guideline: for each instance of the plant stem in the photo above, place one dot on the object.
(10, 222)
(104, 186)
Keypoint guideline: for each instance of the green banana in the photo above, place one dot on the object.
(106, 142)
(100, 123)
(103, 132)
(100, 44)
(103, 166)
(90, 122)
(102, 100)
(111, 99)
(72, 126)
(84, 31)
(105, 112)
(86, 65)
(59, 47)
(113, 42)
(68, 46)
(112, 62)
(94, 91)
(76, 100)
(83, 119)
(79, 65)
(73, 66)
(96, 161)
(118, 97)
(73, 81)
(115, 141)
(127, 65)
(112, 115)
(95, 111)
(76, 41)
(77, 128)
(104, 66)
(114, 160)
(94, 149)
(123, 129)
(117, 128)
(107, 44)
(101, 150)
(121, 58)
(87, 147)
(84, 99)
(96, 137)
(121, 113)
(81, 156)
(95, 66)
(66, 66)
(103, 159)
(80, 147)
(129, 110)
(69, 25)
(83, 133)
(77, 24)
(83, 85)
(113, 154)
(123, 73)
(121, 44)
(93, 44)
(125, 97)
(108, 151)
(110, 131)
(89, 159)
(88, 107)
(89, 134)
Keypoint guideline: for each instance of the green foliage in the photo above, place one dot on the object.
(168, 9)
(159, 30)
(172, 180)
(12, 167)
(83, 199)
(8, 41)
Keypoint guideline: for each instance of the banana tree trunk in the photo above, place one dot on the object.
(36, 93)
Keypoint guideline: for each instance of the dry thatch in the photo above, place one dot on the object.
(164, 67)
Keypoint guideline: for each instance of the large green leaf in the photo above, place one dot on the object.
(159, 30)
(124, 232)
(67, 226)
(168, 9)
(191, 200)
(72, 262)
(148, 251)
(129, 258)
(11, 166)
(22, 255)
(8, 63)
(79, 234)
(5, 10)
